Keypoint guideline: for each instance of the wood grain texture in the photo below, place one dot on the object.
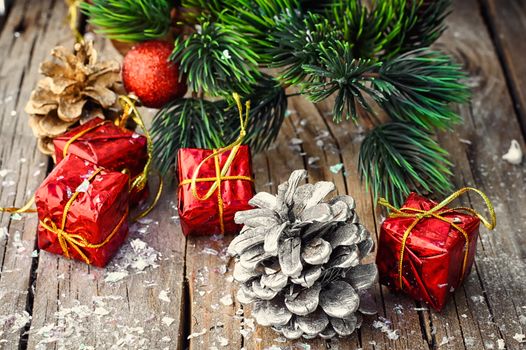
(189, 294)
(25, 40)
(507, 22)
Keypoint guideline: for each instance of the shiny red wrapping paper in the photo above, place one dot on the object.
(434, 253)
(109, 146)
(93, 214)
(202, 217)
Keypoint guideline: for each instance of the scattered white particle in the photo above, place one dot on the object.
(312, 160)
(501, 345)
(16, 217)
(17, 242)
(467, 142)
(469, 342)
(296, 141)
(519, 337)
(336, 168)
(446, 340)
(226, 300)
(100, 311)
(464, 316)
(22, 160)
(113, 277)
(36, 173)
(226, 55)
(135, 135)
(210, 251)
(384, 325)
(3, 233)
(163, 296)
(13, 113)
(229, 279)
(4, 172)
(16, 34)
(83, 187)
(477, 298)
(443, 285)
(222, 341)
(34, 254)
(166, 340)
(198, 29)
(167, 321)
(514, 154)
(399, 309)
(197, 334)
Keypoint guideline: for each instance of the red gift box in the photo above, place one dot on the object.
(107, 145)
(435, 245)
(83, 211)
(230, 172)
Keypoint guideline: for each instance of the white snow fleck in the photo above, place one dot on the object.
(113, 277)
(163, 296)
(514, 154)
(4, 172)
(101, 311)
(384, 325)
(445, 340)
(167, 321)
(501, 345)
(336, 168)
(226, 300)
(3, 233)
(83, 187)
(197, 334)
(519, 337)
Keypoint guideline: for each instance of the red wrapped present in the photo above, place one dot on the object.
(426, 249)
(83, 211)
(222, 185)
(109, 146)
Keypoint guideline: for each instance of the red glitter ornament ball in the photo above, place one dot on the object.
(148, 74)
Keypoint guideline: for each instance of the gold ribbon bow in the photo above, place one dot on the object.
(419, 214)
(77, 241)
(221, 172)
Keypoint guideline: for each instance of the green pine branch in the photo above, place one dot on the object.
(129, 20)
(397, 158)
(217, 60)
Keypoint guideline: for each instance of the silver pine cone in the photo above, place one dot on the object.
(298, 261)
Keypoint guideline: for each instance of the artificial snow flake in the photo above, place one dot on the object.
(226, 300)
(514, 154)
(521, 338)
(197, 334)
(336, 168)
(167, 321)
(163, 296)
(83, 187)
(113, 277)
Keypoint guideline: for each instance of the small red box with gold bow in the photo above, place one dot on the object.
(107, 145)
(83, 211)
(426, 249)
(213, 186)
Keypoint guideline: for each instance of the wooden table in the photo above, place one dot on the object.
(184, 301)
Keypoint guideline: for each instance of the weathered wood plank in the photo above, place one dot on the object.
(79, 306)
(24, 41)
(496, 288)
(507, 23)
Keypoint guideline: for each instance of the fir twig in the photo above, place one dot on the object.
(129, 20)
(397, 158)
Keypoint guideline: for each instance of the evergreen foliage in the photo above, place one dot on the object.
(373, 57)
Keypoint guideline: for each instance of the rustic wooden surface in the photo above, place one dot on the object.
(186, 299)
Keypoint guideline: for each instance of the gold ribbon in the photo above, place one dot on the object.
(419, 214)
(77, 241)
(138, 183)
(25, 209)
(73, 6)
(221, 172)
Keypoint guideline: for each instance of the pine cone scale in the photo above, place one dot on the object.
(300, 261)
